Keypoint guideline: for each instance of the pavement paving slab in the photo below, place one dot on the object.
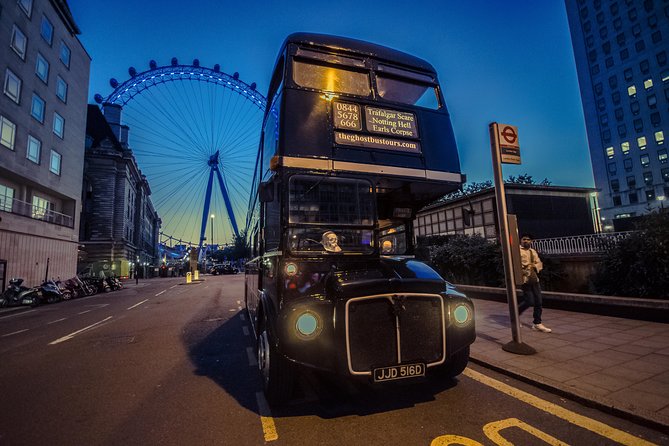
(618, 365)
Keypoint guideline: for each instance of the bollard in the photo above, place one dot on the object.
(188, 280)
(197, 275)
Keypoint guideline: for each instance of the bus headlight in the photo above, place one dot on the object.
(462, 314)
(308, 325)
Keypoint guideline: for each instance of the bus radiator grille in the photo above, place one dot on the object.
(373, 330)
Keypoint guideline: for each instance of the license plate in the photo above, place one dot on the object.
(398, 372)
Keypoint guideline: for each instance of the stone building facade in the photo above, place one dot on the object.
(45, 74)
(119, 225)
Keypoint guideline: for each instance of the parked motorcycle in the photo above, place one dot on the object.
(50, 292)
(114, 283)
(16, 294)
(85, 286)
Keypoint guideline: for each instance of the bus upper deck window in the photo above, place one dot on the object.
(407, 92)
(331, 79)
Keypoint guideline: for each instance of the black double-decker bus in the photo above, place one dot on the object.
(356, 139)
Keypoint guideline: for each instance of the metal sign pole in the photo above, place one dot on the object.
(516, 345)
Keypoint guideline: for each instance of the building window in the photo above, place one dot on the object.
(34, 149)
(65, 54)
(648, 83)
(633, 197)
(54, 165)
(659, 137)
(620, 38)
(628, 74)
(615, 185)
(46, 30)
(12, 86)
(612, 168)
(650, 195)
(661, 58)
(627, 163)
(617, 24)
(632, 14)
(638, 125)
(665, 175)
(624, 54)
(609, 62)
(26, 6)
(619, 114)
(644, 66)
(640, 46)
(656, 37)
(622, 130)
(42, 68)
(6, 198)
(614, 8)
(662, 156)
(613, 81)
(655, 117)
(19, 42)
(7, 132)
(631, 91)
(589, 41)
(58, 125)
(617, 201)
(636, 30)
(592, 55)
(615, 97)
(641, 141)
(598, 89)
(645, 160)
(602, 31)
(609, 152)
(601, 104)
(625, 147)
(61, 89)
(600, 20)
(37, 108)
(40, 207)
(604, 119)
(606, 135)
(635, 107)
(648, 178)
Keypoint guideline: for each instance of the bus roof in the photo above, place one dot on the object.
(355, 46)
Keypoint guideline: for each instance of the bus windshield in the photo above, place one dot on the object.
(330, 215)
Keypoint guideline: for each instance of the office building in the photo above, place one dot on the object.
(621, 50)
(45, 71)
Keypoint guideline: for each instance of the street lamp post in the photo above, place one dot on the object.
(212, 230)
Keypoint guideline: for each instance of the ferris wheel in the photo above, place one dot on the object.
(194, 131)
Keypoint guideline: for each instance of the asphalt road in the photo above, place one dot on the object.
(173, 364)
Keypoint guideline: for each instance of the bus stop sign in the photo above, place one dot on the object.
(508, 145)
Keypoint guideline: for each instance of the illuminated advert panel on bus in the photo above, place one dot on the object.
(382, 127)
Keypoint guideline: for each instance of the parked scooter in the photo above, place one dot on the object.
(114, 283)
(16, 294)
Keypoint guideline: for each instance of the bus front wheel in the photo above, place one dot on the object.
(275, 371)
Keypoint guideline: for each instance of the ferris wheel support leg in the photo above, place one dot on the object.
(228, 206)
(205, 211)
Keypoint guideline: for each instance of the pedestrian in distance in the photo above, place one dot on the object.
(532, 266)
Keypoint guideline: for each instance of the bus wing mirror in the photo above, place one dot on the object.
(266, 192)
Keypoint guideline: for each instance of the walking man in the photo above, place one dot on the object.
(532, 266)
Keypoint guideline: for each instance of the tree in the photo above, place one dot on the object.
(240, 249)
(526, 179)
(474, 187)
(638, 265)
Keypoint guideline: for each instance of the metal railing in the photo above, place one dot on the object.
(26, 209)
(580, 244)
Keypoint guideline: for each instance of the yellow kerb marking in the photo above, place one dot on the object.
(266, 420)
(491, 431)
(447, 440)
(572, 417)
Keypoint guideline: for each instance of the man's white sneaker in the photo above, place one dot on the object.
(541, 327)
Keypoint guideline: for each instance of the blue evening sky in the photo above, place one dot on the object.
(507, 61)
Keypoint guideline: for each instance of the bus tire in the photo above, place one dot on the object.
(455, 364)
(275, 370)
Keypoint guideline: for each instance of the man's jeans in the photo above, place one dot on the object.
(531, 297)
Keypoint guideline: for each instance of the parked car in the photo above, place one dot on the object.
(223, 269)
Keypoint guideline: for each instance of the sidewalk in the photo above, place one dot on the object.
(620, 365)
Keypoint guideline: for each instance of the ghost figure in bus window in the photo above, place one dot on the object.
(330, 242)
